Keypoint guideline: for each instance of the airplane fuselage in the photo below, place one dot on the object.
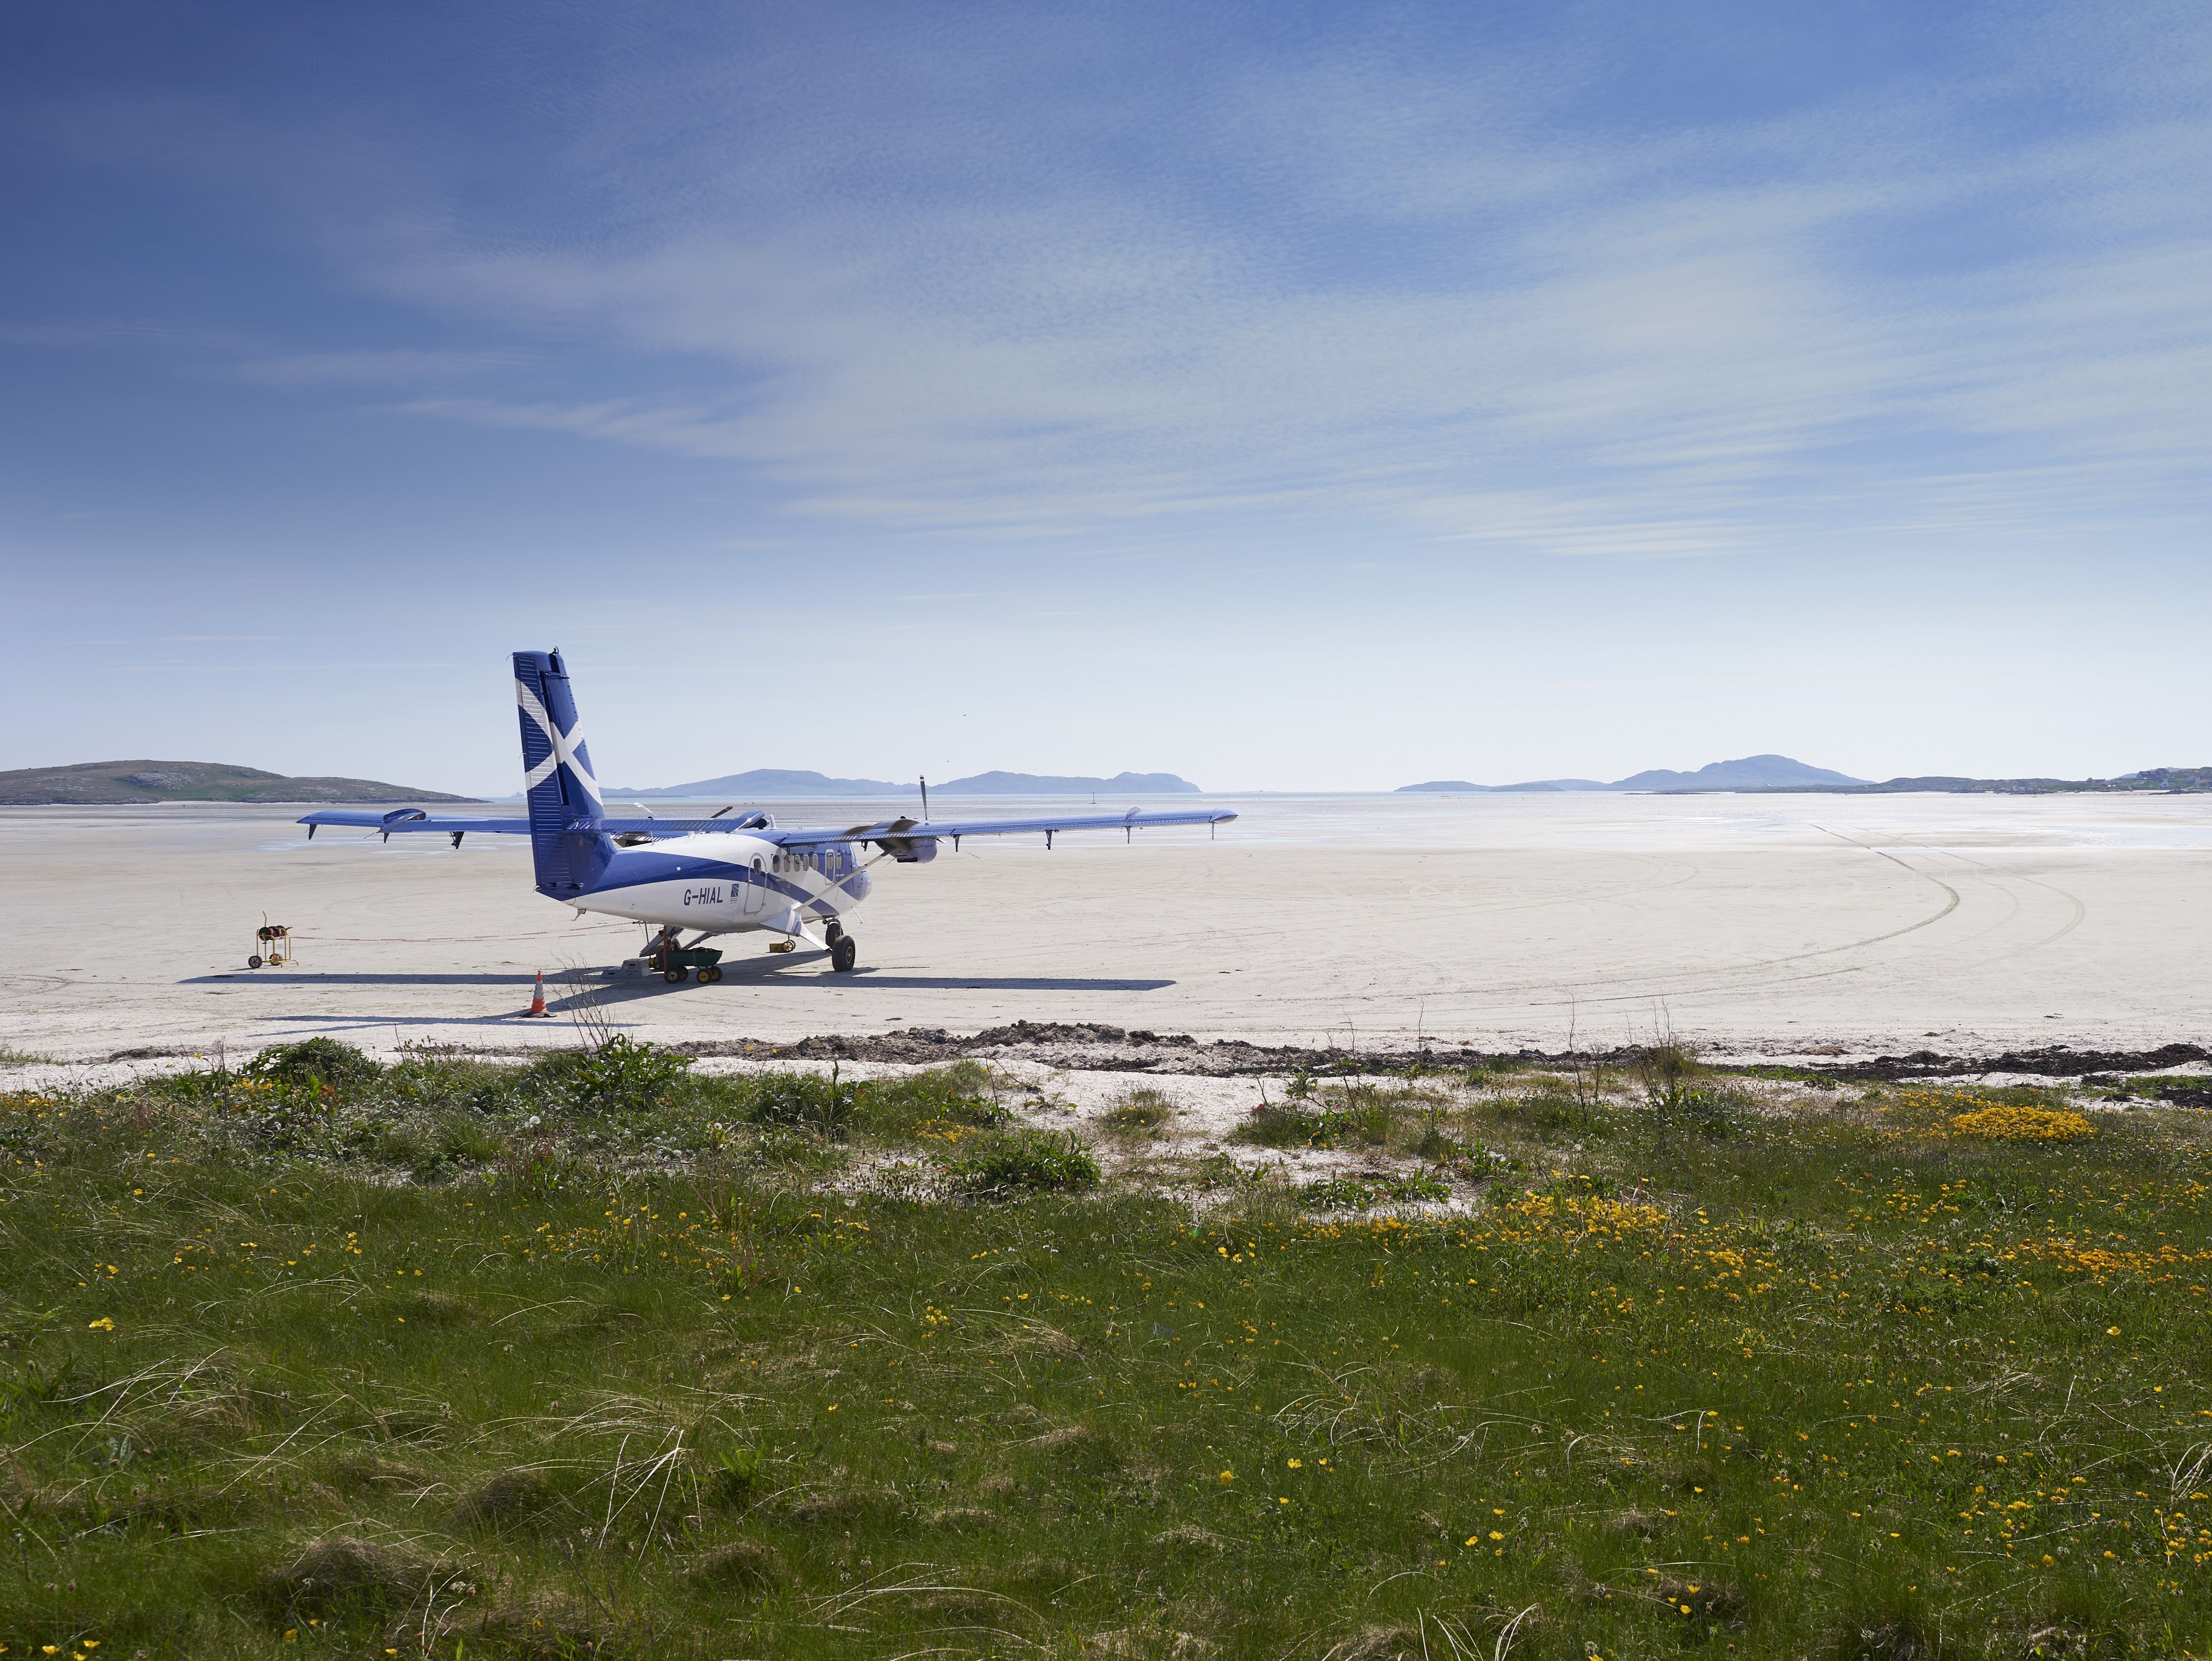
(724, 883)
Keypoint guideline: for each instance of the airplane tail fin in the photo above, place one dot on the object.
(563, 795)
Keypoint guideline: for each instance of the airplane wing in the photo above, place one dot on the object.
(903, 830)
(414, 819)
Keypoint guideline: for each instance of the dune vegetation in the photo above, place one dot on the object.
(601, 1357)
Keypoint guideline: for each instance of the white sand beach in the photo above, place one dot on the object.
(1787, 923)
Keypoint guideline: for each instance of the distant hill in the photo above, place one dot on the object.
(1750, 773)
(1039, 783)
(102, 783)
(781, 783)
(2189, 779)
(1779, 774)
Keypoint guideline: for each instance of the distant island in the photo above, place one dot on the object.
(783, 784)
(1749, 773)
(2152, 780)
(1780, 775)
(761, 781)
(1037, 784)
(106, 783)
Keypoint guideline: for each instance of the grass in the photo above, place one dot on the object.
(1141, 1110)
(1352, 1115)
(1360, 1194)
(1009, 1164)
(11, 1057)
(453, 1359)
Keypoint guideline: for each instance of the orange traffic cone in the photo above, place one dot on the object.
(538, 996)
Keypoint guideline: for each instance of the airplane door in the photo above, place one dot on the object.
(755, 892)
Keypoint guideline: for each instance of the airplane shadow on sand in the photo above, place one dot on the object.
(608, 997)
(561, 994)
(299, 980)
(757, 973)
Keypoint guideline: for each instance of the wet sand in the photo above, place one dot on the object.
(1791, 926)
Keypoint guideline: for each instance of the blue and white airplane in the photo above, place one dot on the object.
(719, 876)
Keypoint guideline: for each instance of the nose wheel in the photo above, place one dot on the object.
(844, 952)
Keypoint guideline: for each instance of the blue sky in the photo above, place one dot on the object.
(1289, 397)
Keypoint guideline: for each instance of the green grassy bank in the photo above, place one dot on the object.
(601, 1358)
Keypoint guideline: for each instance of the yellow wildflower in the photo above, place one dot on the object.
(2006, 1122)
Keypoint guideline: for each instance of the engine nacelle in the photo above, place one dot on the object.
(911, 849)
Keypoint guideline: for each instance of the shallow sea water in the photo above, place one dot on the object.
(1604, 820)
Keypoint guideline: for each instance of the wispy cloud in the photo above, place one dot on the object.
(1677, 341)
(1443, 278)
(261, 668)
(388, 366)
(126, 333)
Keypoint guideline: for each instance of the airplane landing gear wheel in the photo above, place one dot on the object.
(844, 953)
(674, 977)
(833, 933)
